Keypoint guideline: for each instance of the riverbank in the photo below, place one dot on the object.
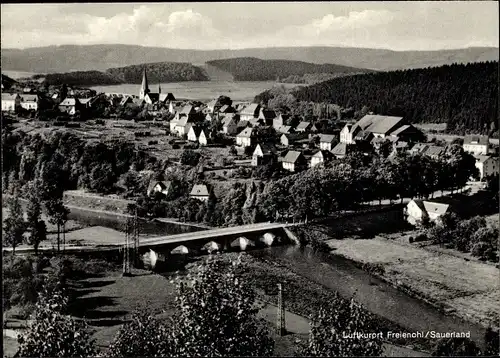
(464, 288)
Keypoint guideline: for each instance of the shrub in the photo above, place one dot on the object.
(99, 122)
(176, 146)
(410, 239)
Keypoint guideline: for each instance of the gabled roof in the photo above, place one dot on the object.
(69, 102)
(326, 138)
(434, 150)
(165, 185)
(292, 156)
(197, 130)
(29, 98)
(435, 208)
(188, 127)
(183, 121)
(476, 139)
(267, 114)
(323, 154)
(340, 149)
(402, 129)
(199, 190)
(154, 97)
(401, 144)
(167, 97)
(226, 109)
(285, 129)
(246, 133)
(242, 124)
(227, 121)
(251, 109)
(419, 148)
(363, 135)
(482, 158)
(303, 125)
(9, 96)
(188, 109)
(84, 100)
(378, 124)
(267, 148)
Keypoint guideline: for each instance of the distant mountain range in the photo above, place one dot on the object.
(66, 58)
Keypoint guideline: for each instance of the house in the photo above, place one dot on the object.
(30, 101)
(264, 153)
(487, 166)
(321, 156)
(151, 98)
(476, 144)
(294, 161)
(166, 98)
(256, 122)
(249, 112)
(280, 120)
(173, 123)
(407, 133)
(156, 186)
(242, 125)
(182, 126)
(291, 138)
(314, 129)
(229, 125)
(419, 210)
(434, 151)
(70, 106)
(379, 126)
(200, 192)
(203, 137)
(285, 129)
(340, 150)
(10, 102)
(138, 101)
(244, 139)
(326, 141)
(303, 127)
(188, 111)
(267, 116)
(419, 148)
(193, 134)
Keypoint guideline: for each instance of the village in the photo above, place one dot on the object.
(257, 135)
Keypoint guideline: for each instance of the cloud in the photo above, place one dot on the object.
(355, 19)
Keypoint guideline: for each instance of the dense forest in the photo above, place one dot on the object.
(159, 72)
(465, 97)
(80, 78)
(312, 78)
(254, 69)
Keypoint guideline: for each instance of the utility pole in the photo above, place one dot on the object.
(136, 239)
(280, 322)
(126, 253)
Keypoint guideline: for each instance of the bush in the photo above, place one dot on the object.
(410, 239)
(99, 122)
(152, 142)
(421, 237)
(176, 146)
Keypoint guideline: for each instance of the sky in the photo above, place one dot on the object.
(189, 25)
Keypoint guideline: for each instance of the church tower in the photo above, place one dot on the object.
(144, 86)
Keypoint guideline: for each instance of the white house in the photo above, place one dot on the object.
(476, 144)
(320, 157)
(203, 137)
(346, 135)
(29, 102)
(264, 153)
(326, 141)
(294, 161)
(159, 187)
(249, 112)
(182, 126)
(417, 210)
(10, 101)
(193, 134)
(487, 166)
(244, 139)
(200, 192)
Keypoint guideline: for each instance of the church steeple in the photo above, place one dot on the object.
(144, 86)
(159, 88)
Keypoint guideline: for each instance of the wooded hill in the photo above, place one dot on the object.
(157, 72)
(465, 97)
(255, 69)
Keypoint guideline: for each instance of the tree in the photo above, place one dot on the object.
(189, 157)
(14, 225)
(455, 347)
(52, 334)
(491, 342)
(58, 214)
(132, 183)
(336, 321)
(233, 151)
(218, 315)
(36, 226)
(144, 336)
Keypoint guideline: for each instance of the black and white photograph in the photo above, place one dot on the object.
(238, 179)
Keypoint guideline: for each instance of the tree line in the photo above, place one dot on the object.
(255, 69)
(159, 72)
(464, 96)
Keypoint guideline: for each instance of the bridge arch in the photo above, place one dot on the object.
(242, 243)
(267, 239)
(211, 247)
(180, 250)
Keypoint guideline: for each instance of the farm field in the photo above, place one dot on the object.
(466, 288)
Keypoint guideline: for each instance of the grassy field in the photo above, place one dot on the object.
(467, 288)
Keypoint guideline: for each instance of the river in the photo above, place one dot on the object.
(332, 272)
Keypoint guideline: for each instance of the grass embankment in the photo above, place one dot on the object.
(466, 288)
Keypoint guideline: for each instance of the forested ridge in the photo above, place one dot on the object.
(255, 69)
(465, 97)
(157, 72)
